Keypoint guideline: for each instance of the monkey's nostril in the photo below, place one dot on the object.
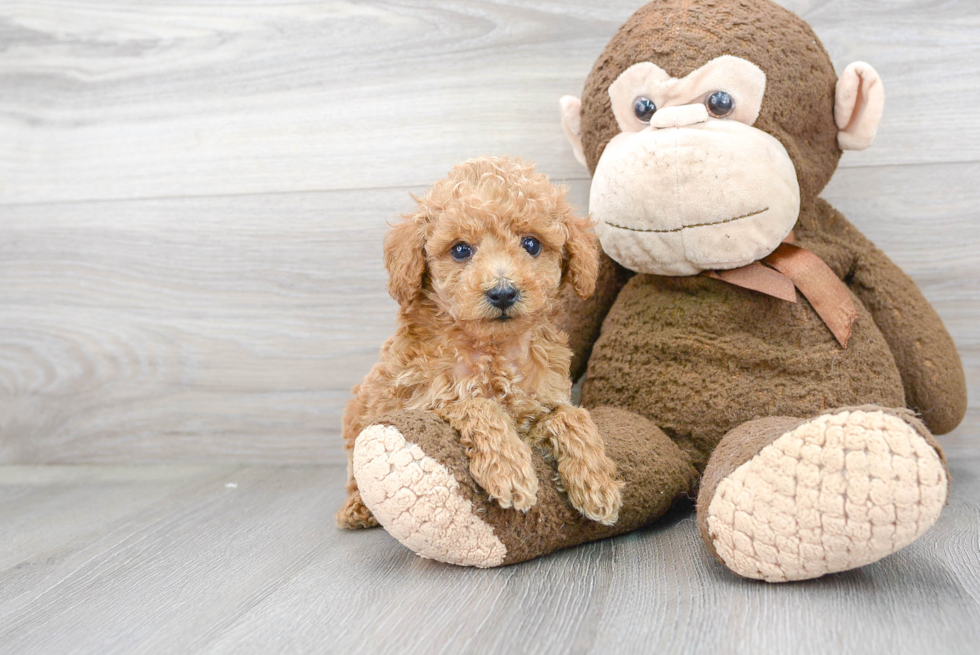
(503, 296)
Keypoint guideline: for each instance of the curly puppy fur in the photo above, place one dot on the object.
(499, 376)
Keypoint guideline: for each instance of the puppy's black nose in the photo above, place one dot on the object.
(503, 296)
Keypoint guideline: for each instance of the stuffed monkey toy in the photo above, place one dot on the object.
(746, 344)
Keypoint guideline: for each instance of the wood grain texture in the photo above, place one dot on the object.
(189, 329)
(193, 196)
(106, 99)
(232, 329)
(247, 560)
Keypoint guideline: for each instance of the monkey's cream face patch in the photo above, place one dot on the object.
(687, 189)
(740, 78)
(712, 194)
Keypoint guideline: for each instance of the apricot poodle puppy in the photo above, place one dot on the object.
(476, 271)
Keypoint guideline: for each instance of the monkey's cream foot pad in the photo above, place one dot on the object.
(418, 501)
(835, 493)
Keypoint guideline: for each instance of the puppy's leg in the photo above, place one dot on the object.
(353, 514)
(588, 474)
(499, 461)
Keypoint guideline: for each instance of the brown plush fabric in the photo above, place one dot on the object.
(655, 471)
(932, 372)
(747, 440)
(926, 356)
(583, 327)
(681, 36)
(698, 357)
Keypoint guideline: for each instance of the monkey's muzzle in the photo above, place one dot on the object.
(678, 201)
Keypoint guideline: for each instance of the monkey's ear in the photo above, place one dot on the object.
(858, 105)
(571, 123)
(405, 259)
(581, 265)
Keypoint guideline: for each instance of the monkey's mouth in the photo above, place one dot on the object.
(685, 227)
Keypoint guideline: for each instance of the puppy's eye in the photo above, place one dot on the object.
(720, 104)
(461, 251)
(531, 245)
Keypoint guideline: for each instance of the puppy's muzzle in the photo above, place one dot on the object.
(503, 296)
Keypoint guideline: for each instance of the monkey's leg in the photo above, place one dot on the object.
(792, 499)
(414, 476)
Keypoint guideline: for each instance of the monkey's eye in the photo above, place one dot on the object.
(531, 245)
(720, 104)
(644, 109)
(461, 251)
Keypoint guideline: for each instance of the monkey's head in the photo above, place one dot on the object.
(707, 126)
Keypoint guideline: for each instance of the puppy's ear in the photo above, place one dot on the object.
(581, 266)
(405, 259)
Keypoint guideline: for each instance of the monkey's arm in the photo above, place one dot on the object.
(582, 319)
(931, 370)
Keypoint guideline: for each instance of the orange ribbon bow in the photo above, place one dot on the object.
(790, 267)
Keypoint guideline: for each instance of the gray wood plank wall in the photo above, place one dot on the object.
(193, 197)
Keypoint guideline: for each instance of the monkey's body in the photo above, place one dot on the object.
(711, 356)
(710, 129)
(732, 376)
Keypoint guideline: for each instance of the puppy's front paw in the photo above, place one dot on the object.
(508, 478)
(597, 495)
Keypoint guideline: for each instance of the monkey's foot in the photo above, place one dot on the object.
(419, 502)
(414, 476)
(791, 499)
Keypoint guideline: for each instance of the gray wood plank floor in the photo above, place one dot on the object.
(241, 560)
